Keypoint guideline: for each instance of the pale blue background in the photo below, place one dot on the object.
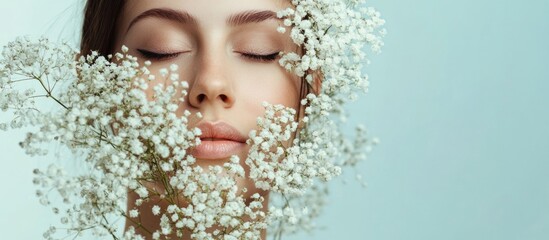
(458, 98)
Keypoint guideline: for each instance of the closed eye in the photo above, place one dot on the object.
(262, 58)
(158, 56)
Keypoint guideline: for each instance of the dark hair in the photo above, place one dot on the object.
(99, 27)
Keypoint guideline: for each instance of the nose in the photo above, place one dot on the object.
(211, 85)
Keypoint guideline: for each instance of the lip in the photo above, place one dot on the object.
(218, 141)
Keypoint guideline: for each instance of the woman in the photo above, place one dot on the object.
(228, 52)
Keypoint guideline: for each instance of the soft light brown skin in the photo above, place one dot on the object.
(224, 85)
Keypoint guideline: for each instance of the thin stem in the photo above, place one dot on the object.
(138, 224)
(55, 99)
(47, 89)
(20, 80)
(48, 82)
(37, 96)
(54, 84)
(106, 226)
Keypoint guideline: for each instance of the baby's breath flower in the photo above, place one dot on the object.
(134, 213)
(128, 140)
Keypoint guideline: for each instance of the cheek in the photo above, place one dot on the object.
(159, 79)
(151, 84)
(274, 87)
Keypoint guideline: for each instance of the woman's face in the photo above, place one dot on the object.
(228, 53)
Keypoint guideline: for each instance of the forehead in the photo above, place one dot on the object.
(207, 12)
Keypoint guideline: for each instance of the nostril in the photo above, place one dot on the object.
(224, 97)
(200, 97)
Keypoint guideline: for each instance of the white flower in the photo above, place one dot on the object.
(127, 140)
(156, 210)
(134, 213)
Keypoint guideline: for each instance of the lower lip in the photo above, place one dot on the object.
(220, 149)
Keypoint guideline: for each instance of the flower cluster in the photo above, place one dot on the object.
(134, 138)
(333, 35)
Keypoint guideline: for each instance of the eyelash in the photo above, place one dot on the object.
(262, 58)
(165, 56)
(157, 56)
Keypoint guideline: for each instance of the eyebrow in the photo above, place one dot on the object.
(250, 17)
(241, 18)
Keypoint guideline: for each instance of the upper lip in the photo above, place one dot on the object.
(220, 131)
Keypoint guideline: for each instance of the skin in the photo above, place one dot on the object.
(226, 84)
